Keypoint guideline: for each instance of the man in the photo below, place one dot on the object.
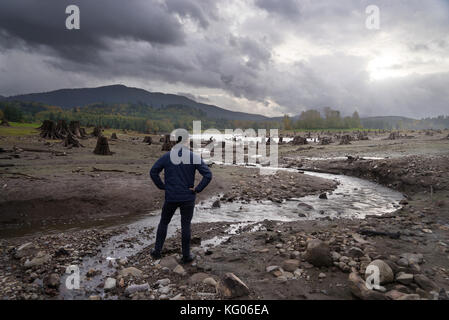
(179, 192)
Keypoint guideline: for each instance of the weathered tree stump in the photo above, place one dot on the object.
(71, 141)
(148, 140)
(48, 130)
(97, 132)
(114, 136)
(394, 136)
(345, 139)
(62, 129)
(75, 129)
(325, 141)
(167, 145)
(5, 123)
(102, 147)
(298, 140)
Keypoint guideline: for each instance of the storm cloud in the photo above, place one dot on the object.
(259, 56)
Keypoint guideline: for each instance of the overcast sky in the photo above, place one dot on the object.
(259, 56)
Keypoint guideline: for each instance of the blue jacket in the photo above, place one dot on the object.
(180, 177)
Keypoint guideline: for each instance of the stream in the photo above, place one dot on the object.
(353, 198)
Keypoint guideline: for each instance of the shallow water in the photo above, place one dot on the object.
(353, 198)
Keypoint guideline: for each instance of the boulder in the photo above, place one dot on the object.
(169, 262)
(232, 287)
(179, 270)
(404, 278)
(424, 282)
(385, 273)
(52, 281)
(290, 265)
(318, 253)
(40, 259)
(355, 252)
(131, 271)
(360, 290)
(137, 288)
(110, 284)
(198, 277)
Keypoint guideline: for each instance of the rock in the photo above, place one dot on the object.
(270, 269)
(179, 270)
(232, 287)
(394, 294)
(385, 273)
(26, 249)
(442, 295)
(323, 196)
(131, 271)
(336, 256)
(322, 275)
(94, 297)
(402, 262)
(355, 252)
(178, 297)
(210, 281)
(404, 278)
(198, 277)
(413, 258)
(216, 204)
(164, 290)
(137, 288)
(40, 259)
(424, 282)
(318, 253)
(163, 282)
(169, 262)
(110, 284)
(290, 265)
(52, 281)
(358, 288)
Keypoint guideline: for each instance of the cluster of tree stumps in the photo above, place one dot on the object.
(61, 131)
(69, 134)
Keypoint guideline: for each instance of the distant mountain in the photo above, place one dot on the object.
(69, 98)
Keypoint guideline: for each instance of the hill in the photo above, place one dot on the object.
(118, 94)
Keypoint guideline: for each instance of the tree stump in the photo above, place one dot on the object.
(167, 143)
(71, 141)
(345, 139)
(298, 140)
(148, 140)
(5, 123)
(114, 136)
(75, 129)
(62, 129)
(97, 132)
(325, 141)
(48, 130)
(102, 147)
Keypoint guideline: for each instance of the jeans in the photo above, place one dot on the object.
(168, 210)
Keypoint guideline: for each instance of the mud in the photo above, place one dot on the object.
(55, 198)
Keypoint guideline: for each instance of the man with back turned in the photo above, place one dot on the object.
(180, 166)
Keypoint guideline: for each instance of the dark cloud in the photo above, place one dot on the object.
(257, 56)
(286, 8)
(42, 23)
